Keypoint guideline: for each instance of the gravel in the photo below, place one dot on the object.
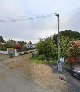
(72, 82)
(41, 74)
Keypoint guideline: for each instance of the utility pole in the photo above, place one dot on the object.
(58, 40)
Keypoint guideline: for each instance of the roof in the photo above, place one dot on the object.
(29, 44)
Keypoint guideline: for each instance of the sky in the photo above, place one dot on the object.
(36, 28)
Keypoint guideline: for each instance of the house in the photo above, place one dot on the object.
(30, 46)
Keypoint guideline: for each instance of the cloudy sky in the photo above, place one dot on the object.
(33, 29)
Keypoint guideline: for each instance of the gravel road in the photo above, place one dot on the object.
(73, 83)
(12, 82)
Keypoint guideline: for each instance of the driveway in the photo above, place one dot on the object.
(12, 82)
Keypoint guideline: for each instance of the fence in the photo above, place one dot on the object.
(4, 52)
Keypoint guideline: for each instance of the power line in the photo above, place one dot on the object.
(23, 18)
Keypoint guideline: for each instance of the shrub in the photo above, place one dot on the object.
(40, 57)
(47, 48)
(74, 51)
(3, 49)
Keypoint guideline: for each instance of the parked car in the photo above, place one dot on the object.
(75, 70)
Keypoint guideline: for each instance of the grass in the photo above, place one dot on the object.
(53, 62)
(41, 74)
(38, 61)
(2, 57)
(43, 62)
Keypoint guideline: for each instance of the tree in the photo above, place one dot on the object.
(74, 51)
(65, 37)
(1, 39)
(21, 43)
(10, 44)
(71, 34)
(64, 46)
(47, 48)
(30, 42)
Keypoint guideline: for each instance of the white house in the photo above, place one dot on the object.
(30, 46)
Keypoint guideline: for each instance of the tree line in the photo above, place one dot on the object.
(48, 49)
(11, 44)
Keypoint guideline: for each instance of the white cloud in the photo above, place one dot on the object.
(38, 28)
(11, 8)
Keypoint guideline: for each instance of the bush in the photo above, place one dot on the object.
(3, 48)
(47, 48)
(40, 57)
(74, 51)
(53, 62)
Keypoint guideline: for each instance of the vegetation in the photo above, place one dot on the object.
(41, 61)
(64, 46)
(47, 48)
(11, 44)
(74, 51)
(71, 34)
(1, 39)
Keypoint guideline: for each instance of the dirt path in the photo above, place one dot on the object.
(41, 74)
(12, 82)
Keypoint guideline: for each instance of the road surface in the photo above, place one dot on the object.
(73, 83)
(13, 82)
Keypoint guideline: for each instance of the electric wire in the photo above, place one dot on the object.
(23, 18)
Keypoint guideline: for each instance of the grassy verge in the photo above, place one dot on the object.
(2, 57)
(38, 61)
(43, 62)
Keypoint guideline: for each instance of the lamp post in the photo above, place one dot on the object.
(58, 39)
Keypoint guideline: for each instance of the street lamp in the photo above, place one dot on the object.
(58, 39)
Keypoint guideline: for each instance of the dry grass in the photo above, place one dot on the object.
(40, 73)
(3, 57)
